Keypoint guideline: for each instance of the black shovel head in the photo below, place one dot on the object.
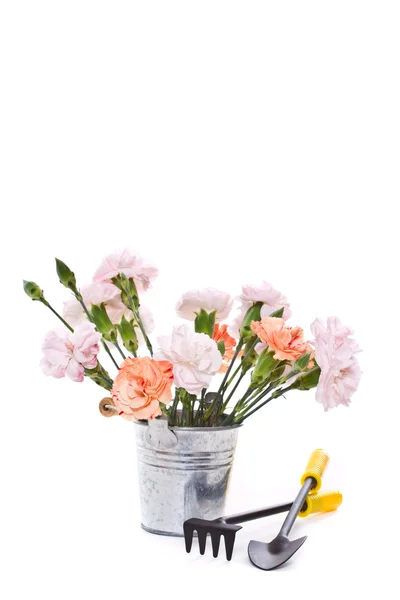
(273, 555)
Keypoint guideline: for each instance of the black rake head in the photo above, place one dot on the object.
(215, 528)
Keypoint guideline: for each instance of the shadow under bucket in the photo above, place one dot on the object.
(183, 473)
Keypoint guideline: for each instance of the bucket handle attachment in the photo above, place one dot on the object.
(159, 436)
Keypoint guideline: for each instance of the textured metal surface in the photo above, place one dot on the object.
(185, 481)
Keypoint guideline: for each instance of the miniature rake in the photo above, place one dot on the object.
(224, 526)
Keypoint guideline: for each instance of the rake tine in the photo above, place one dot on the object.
(188, 532)
(229, 543)
(202, 537)
(215, 540)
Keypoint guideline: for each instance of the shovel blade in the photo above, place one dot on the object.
(273, 555)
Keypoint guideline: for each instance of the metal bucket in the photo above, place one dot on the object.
(183, 473)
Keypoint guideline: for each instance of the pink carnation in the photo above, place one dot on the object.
(68, 354)
(271, 298)
(132, 265)
(335, 354)
(95, 293)
(110, 296)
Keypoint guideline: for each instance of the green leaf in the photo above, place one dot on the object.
(253, 314)
(65, 275)
(221, 347)
(278, 314)
(302, 362)
(204, 322)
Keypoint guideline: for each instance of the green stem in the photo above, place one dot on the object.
(200, 410)
(225, 404)
(234, 357)
(44, 301)
(264, 392)
(106, 380)
(100, 375)
(256, 398)
(119, 350)
(174, 408)
(78, 296)
(217, 403)
(107, 349)
(230, 418)
(281, 392)
(138, 320)
(250, 350)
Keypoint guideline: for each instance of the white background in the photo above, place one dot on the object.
(229, 142)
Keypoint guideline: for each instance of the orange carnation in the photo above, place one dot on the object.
(221, 335)
(140, 386)
(288, 342)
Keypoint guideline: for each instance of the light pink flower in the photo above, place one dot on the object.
(132, 265)
(107, 293)
(95, 293)
(209, 299)
(68, 354)
(271, 298)
(335, 354)
(195, 357)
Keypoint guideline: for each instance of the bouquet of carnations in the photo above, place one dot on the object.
(259, 356)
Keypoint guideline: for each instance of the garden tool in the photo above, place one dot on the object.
(272, 555)
(228, 526)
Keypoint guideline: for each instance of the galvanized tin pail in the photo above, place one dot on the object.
(183, 473)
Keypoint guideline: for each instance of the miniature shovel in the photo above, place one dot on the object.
(273, 555)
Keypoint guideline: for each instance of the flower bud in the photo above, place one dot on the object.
(32, 290)
(65, 275)
(265, 364)
(103, 323)
(307, 380)
(128, 334)
(277, 372)
(204, 322)
(253, 314)
(128, 290)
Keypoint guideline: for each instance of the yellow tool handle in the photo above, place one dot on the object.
(321, 502)
(315, 468)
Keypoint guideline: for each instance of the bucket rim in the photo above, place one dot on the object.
(176, 428)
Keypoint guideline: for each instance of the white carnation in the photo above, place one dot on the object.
(195, 357)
